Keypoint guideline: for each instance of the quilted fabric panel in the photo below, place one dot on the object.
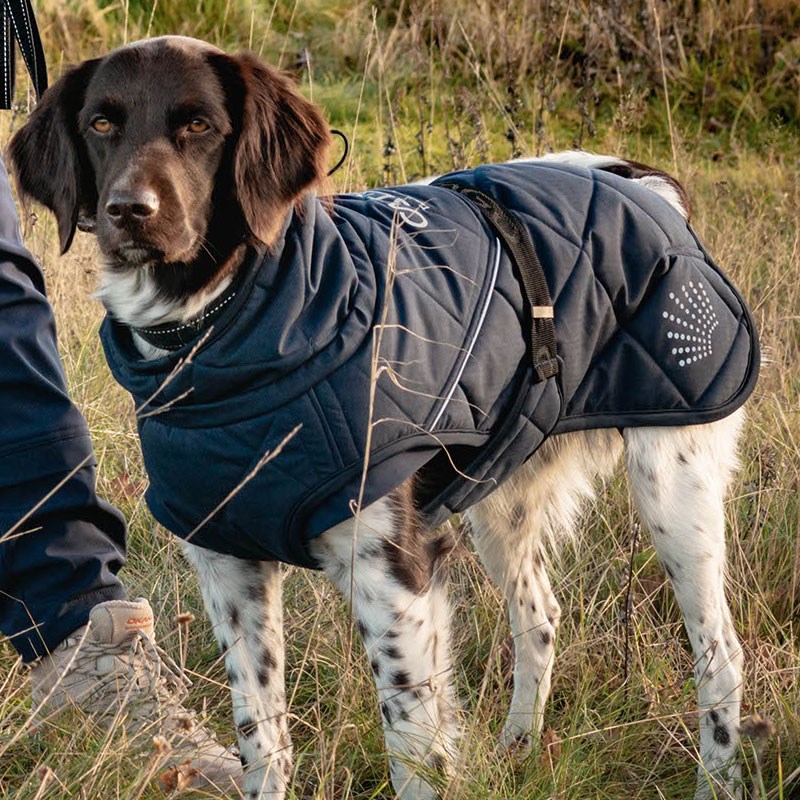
(648, 332)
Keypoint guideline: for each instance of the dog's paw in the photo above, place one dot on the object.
(516, 740)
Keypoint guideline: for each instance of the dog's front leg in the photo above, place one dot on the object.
(243, 601)
(508, 537)
(388, 572)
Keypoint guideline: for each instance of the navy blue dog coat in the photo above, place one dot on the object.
(395, 324)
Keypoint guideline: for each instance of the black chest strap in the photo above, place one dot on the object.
(517, 242)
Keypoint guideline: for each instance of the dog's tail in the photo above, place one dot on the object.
(654, 179)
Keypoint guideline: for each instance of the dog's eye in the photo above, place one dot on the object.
(101, 124)
(198, 125)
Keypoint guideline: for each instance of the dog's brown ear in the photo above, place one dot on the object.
(48, 157)
(282, 141)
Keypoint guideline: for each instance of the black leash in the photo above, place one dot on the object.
(339, 163)
(517, 242)
(17, 22)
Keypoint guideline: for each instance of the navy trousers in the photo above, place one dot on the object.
(60, 545)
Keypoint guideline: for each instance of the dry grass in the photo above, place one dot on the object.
(425, 86)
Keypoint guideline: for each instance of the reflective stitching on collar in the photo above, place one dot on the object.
(192, 324)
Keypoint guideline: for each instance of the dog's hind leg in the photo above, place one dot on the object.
(678, 477)
(243, 601)
(511, 529)
(387, 569)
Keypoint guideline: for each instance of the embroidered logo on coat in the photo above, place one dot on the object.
(693, 323)
(408, 209)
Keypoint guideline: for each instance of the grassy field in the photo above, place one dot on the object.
(420, 87)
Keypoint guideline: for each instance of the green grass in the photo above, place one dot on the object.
(423, 87)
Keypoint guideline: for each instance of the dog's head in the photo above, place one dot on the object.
(171, 150)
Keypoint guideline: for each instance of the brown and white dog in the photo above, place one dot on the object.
(178, 157)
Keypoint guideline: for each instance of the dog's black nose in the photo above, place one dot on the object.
(135, 206)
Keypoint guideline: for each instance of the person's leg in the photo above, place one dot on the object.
(61, 603)
(57, 563)
(60, 546)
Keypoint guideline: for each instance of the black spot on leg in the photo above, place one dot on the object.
(256, 591)
(233, 613)
(243, 760)
(438, 763)
(268, 660)
(682, 459)
(545, 637)
(401, 679)
(525, 583)
(668, 570)
(254, 569)
(713, 716)
(247, 727)
(362, 629)
(376, 667)
(386, 713)
(721, 735)
(264, 675)
(392, 652)
(233, 676)
(533, 607)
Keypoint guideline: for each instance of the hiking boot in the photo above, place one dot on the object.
(113, 669)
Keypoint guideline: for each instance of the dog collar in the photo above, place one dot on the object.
(171, 336)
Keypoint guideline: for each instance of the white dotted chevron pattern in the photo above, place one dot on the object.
(693, 321)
